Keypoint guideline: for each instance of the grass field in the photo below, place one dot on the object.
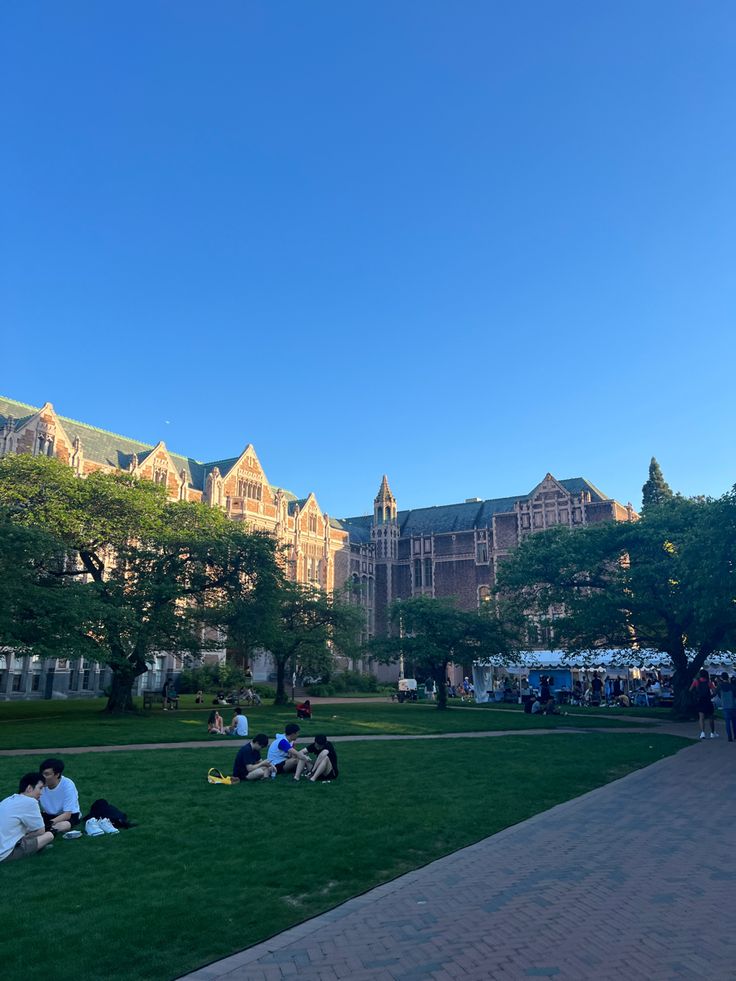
(26, 724)
(213, 869)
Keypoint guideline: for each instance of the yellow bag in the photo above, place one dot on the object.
(217, 776)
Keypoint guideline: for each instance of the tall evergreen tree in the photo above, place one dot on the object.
(656, 490)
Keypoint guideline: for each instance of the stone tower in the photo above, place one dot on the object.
(385, 538)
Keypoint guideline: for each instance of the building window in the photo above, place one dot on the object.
(481, 553)
(35, 682)
(313, 523)
(17, 678)
(417, 573)
(427, 572)
(160, 474)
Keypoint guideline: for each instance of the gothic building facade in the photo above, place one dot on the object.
(455, 550)
(452, 550)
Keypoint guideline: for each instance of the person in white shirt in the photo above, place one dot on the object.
(283, 755)
(59, 798)
(239, 726)
(22, 831)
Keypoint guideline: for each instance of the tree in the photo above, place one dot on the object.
(665, 583)
(303, 626)
(40, 610)
(432, 633)
(149, 567)
(656, 490)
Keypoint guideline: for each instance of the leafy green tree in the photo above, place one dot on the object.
(40, 609)
(432, 633)
(656, 490)
(303, 627)
(152, 570)
(665, 583)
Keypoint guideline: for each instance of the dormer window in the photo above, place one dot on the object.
(45, 444)
(160, 472)
(312, 522)
(246, 487)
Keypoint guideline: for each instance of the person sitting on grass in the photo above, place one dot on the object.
(215, 725)
(325, 765)
(239, 725)
(248, 763)
(59, 798)
(284, 757)
(304, 709)
(22, 831)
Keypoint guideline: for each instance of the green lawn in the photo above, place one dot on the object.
(213, 869)
(26, 724)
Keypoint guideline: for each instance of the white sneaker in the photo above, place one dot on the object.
(92, 827)
(702, 735)
(107, 826)
(714, 735)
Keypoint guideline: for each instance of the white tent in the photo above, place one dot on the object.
(608, 661)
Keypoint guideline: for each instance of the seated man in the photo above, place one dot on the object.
(284, 757)
(537, 707)
(325, 765)
(248, 763)
(59, 798)
(239, 725)
(22, 831)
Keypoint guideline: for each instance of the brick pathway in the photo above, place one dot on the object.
(635, 880)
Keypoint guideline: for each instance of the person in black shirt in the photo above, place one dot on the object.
(248, 763)
(325, 765)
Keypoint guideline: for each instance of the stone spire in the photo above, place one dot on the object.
(384, 504)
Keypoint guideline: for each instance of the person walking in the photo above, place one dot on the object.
(727, 693)
(704, 690)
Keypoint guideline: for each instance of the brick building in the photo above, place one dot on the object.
(452, 550)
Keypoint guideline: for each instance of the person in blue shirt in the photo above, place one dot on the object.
(284, 756)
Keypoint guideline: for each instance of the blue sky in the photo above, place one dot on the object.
(460, 243)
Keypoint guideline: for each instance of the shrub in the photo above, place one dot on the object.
(345, 681)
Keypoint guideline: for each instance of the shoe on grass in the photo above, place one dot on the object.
(93, 829)
(70, 835)
(108, 827)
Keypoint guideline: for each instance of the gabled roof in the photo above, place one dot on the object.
(576, 484)
(358, 528)
(446, 518)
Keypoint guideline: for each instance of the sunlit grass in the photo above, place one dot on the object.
(205, 875)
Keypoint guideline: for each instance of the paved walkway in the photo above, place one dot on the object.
(674, 728)
(633, 881)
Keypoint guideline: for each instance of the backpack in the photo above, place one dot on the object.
(217, 776)
(102, 809)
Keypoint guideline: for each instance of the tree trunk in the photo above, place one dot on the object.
(281, 698)
(440, 679)
(121, 694)
(124, 673)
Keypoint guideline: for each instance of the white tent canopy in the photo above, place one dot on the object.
(608, 661)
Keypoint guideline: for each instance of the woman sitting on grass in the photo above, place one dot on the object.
(304, 709)
(215, 725)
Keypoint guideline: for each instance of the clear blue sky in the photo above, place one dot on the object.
(459, 243)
